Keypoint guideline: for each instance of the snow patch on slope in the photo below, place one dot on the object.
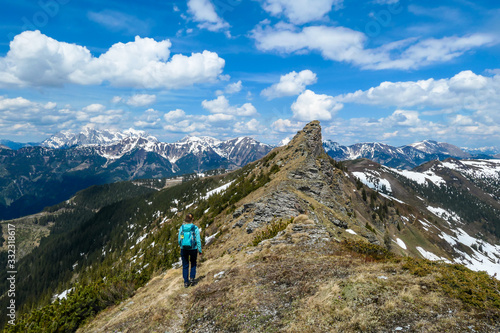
(372, 179)
(421, 178)
(218, 189)
(401, 243)
(431, 256)
(483, 257)
(445, 214)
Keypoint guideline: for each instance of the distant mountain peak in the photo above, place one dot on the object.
(434, 147)
(90, 136)
(199, 139)
(284, 142)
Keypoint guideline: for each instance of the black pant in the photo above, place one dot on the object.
(189, 256)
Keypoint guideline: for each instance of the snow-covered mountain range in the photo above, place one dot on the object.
(93, 137)
(404, 157)
(113, 145)
(37, 176)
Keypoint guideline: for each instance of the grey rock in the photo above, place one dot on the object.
(238, 212)
(248, 206)
(279, 205)
(239, 223)
(339, 223)
(371, 238)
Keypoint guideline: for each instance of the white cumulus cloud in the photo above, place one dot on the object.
(462, 108)
(185, 126)
(233, 88)
(94, 108)
(311, 106)
(300, 11)
(467, 81)
(290, 84)
(15, 103)
(404, 118)
(253, 126)
(20, 116)
(347, 45)
(141, 100)
(150, 119)
(203, 11)
(37, 60)
(464, 91)
(174, 115)
(230, 89)
(221, 105)
(334, 43)
(110, 117)
(287, 126)
(432, 50)
(217, 118)
(179, 121)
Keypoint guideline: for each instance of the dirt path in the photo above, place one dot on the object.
(159, 306)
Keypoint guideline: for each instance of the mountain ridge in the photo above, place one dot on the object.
(406, 156)
(403, 157)
(92, 136)
(114, 144)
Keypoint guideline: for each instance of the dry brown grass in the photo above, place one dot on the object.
(158, 306)
(379, 297)
(259, 294)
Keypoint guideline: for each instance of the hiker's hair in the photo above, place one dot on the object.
(189, 217)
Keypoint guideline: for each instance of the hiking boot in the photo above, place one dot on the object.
(186, 284)
(192, 282)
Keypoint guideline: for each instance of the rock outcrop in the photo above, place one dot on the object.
(306, 172)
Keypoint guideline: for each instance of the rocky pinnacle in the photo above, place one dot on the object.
(310, 139)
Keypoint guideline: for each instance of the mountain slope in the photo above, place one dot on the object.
(433, 147)
(290, 242)
(456, 203)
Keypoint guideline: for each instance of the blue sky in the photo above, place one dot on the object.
(382, 70)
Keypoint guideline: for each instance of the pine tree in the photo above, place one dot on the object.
(387, 240)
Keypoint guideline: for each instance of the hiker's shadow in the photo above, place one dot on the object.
(196, 280)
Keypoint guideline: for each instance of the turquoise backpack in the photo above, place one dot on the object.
(187, 241)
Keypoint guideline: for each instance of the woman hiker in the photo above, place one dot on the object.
(190, 243)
